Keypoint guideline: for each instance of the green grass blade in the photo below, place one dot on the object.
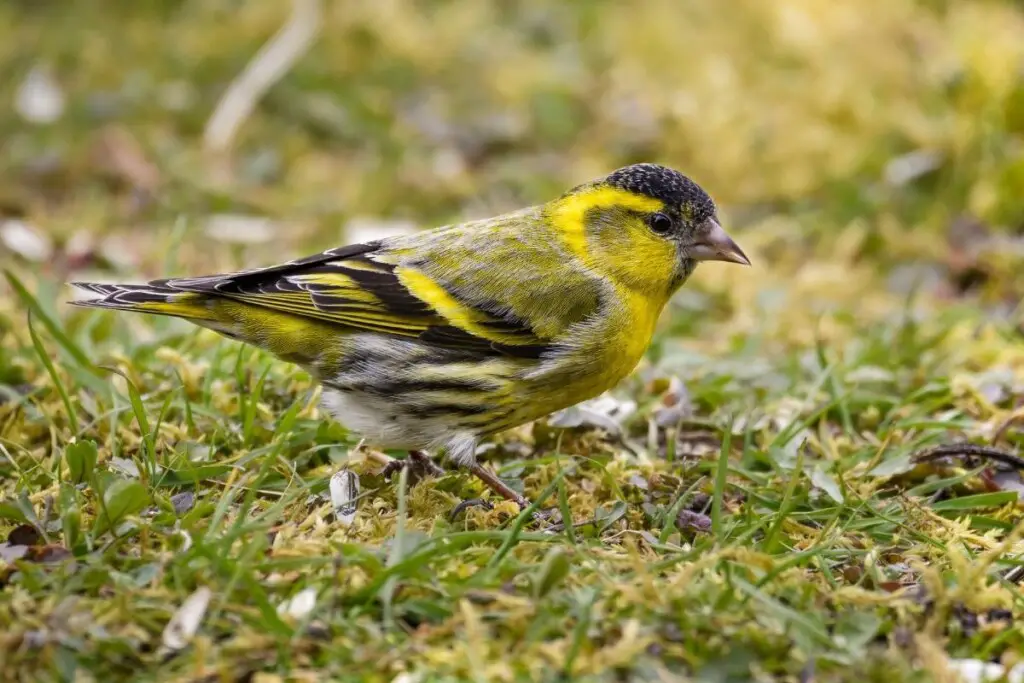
(44, 358)
(51, 325)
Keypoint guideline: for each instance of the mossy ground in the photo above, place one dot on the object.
(766, 521)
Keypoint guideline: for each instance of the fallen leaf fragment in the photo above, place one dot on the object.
(299, 605)
(183, 625)
(344, 488)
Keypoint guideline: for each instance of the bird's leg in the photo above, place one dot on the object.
(422, 464)
(422, 459)
(417, 461)
(498, 486)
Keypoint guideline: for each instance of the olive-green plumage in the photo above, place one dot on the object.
(438, 339)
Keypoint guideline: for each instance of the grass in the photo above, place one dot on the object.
(764, 515)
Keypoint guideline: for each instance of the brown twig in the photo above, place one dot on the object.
(269, 65)
(968, 450)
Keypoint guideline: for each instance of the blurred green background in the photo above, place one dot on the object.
(884, 130)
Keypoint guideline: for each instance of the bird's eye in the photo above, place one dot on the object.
(660, 223)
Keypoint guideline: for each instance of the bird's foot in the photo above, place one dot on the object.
(466, 504)
(543, 517)
(419, 464)
(548, 519)
(506, 492)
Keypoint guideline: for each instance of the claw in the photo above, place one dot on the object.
(392, 468)
(466, 504)
(545, 519)
(419, 464)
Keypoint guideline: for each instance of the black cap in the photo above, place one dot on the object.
(665, 184)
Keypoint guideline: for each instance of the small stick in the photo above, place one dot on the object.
(269, 65)
(498, 486)
(967, 450)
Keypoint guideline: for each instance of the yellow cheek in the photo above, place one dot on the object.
(652, 257)
(568, 215)
(643, 262)
(628, 252)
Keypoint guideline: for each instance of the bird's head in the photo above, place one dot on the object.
(645, 226)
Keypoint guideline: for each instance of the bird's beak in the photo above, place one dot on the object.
(713, 244)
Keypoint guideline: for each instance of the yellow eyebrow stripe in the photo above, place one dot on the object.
(569, 213)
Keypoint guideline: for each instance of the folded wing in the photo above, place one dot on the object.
(364, 287)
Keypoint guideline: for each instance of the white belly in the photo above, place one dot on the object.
(382, 424)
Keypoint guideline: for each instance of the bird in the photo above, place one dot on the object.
(438, 340)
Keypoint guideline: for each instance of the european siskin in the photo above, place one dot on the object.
(440, 339)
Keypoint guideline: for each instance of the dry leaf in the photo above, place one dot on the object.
(344, 488)
(299, 606)
(39, 99)
(183, 625)
(25, 240)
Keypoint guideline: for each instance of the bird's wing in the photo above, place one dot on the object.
(365, 287)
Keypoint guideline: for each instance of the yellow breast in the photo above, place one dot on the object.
(633, 329)
(609, 351)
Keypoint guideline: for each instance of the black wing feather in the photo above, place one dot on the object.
(381, 281)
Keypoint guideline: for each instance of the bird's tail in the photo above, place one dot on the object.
(293, 338)
(148, 298)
